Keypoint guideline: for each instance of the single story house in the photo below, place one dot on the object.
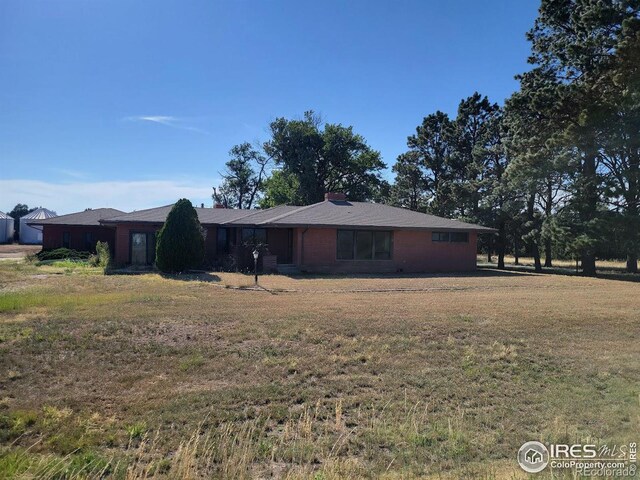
(333, 236)
(78, 231)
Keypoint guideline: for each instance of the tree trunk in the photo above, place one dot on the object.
(632, 263)
(536, 257)
(535, 250)
(501, 245)
(515, 249)
(489, 242)
(547, 212)
(547, 252)
(589, 208)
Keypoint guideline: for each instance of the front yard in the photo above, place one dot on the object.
(309, 377)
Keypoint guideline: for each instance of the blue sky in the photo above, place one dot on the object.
(136, 104)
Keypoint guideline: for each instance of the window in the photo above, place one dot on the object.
(382, 245)
(66, 240)
(88, 241)
(454, 237)
(345, 244)
(460, 237)
(440, 236)
(254, 236)
(363, 245)
(222, 241)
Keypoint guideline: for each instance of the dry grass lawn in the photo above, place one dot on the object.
(440, 376)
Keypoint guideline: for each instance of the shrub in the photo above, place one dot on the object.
(62, 254)
(103, 254)
(180, 244)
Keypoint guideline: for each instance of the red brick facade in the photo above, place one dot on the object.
(413, 251)
(53, 237)
(315, 250)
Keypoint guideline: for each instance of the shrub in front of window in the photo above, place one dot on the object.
(180, 245)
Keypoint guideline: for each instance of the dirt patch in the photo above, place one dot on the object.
(14, 250)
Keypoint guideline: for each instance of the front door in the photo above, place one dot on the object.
(138, 249)
(143, 248)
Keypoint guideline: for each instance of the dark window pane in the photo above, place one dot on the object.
(222, 241)
(382, 245)
(462, 237)
(364, 245)
(88, 241)
(247, 234)
(254, 236)
(440, 236)
(66, 239)
(345, 244)
(260, 235)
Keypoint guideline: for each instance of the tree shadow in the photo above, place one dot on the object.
(480, 272)
(608, 274)
(193, 276)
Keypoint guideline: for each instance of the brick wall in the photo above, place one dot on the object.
(413, 251)
(52, 236)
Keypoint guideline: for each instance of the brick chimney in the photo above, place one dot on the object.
(219, 205)
(334, 196)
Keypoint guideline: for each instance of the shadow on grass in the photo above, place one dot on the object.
(481, 272)
(189, 276)
(192, 276)
(606, 274)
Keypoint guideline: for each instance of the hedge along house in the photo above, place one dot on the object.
(78, 231)
(334, 236)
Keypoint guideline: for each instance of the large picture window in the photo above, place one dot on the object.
(363, 245)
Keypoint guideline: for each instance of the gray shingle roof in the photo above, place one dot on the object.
(207, 216)
(342, 214)
(88, 217)
(360, 214)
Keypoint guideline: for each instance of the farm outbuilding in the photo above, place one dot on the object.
(33, 235)
(6, 228)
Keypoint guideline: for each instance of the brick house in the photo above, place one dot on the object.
(78, 231)
(333, 236)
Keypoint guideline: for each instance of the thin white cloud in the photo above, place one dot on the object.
(167, 121)
(123, 195)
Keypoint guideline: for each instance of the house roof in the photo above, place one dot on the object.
(207, 216)
(341, 213)
(89, 217)
(330, 213)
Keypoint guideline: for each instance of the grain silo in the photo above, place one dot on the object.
(6, 228)
(33, 235)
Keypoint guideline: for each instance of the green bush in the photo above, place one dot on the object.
(103, 254)
(62, 254)
(180, 243)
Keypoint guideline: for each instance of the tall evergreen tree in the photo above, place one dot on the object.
(180, 244)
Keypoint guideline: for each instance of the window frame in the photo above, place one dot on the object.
(354, 248)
